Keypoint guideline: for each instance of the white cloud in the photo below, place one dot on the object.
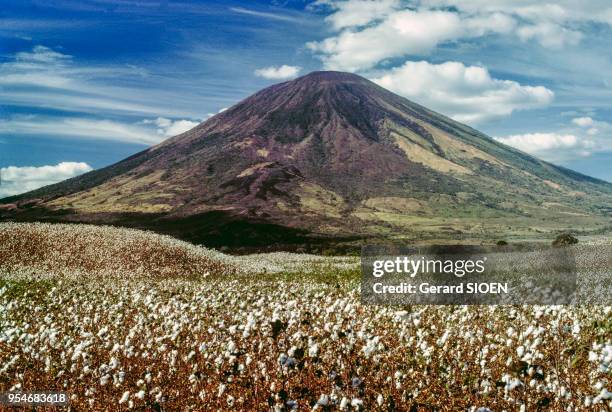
(357, 12)
(550, 146)
(582, 138)
(583, 121)
(594, 127)
(593, 131)
(465, 93)
(48, 79)
(265, 15)
(209, 115)
(368, 33)
(169, 128)
(559, 11)
(278, 73)
(42, 54)
(16, 180)
(403, 33)
(550, 35)
(80, 128)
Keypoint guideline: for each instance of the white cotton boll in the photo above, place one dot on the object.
(282, 358)
(520, 351)
(291, 352)
(323, 400)
(380, 400)
(605, 394)
(125, 397)
(221, 390)
(140, 394)
(443, 339)
(313, 350)
(401, 314)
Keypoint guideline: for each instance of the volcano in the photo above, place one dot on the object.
(328, 155)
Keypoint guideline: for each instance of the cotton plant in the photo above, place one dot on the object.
(239, 340)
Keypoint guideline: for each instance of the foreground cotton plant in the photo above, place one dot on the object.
(239, 340)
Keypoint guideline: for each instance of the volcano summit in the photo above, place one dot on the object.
(328, 155)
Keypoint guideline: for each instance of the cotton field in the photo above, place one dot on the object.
(121, 319)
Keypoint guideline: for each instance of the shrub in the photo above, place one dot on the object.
(564, 239)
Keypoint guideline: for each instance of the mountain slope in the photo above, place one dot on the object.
(332, 154)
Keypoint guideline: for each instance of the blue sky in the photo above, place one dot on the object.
(85, 83)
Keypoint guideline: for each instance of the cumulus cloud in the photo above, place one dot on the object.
(582, 137)
(16, 180)
(550, 146)
(167, 127)
(583, 121)
(465, 93)
(370, 32)
(278, 73)
(595, 128)
(356, 12)
(401, 33)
